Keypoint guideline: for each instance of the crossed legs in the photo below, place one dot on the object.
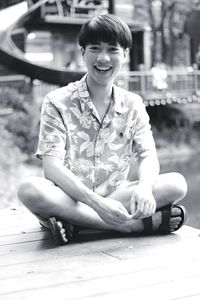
(44, 199)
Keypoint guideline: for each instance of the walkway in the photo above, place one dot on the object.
(97, 265)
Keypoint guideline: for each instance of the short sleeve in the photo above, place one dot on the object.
(143, 141)
(52, 135)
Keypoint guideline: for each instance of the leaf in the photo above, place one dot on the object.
(84, 146)
(84, 136)
(76, 112)
(114, 146)
(114, 159)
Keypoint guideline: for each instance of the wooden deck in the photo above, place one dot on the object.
(97, 265)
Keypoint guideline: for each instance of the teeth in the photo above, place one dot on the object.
(103, 68)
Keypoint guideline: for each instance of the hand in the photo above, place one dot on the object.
(143, 203)
(112, 211)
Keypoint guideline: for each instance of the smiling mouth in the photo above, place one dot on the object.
(102, 69)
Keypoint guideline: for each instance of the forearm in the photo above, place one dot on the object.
(111, 212)
(55, 171)
(143, 203)
(148, 170)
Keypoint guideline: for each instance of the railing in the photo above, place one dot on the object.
(167, 87)
(87, 8)
(75, 8)
(179, 86)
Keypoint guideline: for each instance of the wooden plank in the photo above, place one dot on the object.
(41, 266)
(167, 257)
(87, 262)
(94, 264)
(132, 246)
(97, 265)
(13, 218)
(20, 229)
(112, 246)
(172, 290)
(77, 286)
(23, 238)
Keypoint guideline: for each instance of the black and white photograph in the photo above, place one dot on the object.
(99, 149)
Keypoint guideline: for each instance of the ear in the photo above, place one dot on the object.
(126, 52)
(82, 51)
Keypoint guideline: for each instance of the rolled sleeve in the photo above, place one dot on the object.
(52, 135)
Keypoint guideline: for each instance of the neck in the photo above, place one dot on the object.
(100, 92)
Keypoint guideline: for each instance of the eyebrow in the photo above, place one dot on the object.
(99, 43)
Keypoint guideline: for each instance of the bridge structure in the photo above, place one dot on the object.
(157, 88)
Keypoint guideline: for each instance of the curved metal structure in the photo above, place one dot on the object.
(13, 58)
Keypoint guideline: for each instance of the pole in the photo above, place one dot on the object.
(111, 7)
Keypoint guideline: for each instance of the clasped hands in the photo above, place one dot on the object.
(142, 205)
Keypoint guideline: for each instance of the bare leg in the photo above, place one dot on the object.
(45, 199)
(169, 188)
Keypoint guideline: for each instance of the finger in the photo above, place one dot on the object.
(152, 208)
(124, 217)
(141, 207)
(146, 209)
(137, 214)
(123, 213)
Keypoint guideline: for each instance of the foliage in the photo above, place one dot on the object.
(11, 158)
(7, 3)
(23, 122)
(18, 135)
(167, 19)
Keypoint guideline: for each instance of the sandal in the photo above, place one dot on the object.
(164, 227)
(59, 237)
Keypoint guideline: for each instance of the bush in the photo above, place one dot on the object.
(18, 135)
(23, 122)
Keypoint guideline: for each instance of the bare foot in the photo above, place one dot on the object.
(174, 220)
(166, 220)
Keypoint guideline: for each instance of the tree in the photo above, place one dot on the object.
(7, 3)
(167, 21)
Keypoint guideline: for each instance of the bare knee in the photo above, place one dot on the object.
(170, 188)
(28, 191)
(179, 184)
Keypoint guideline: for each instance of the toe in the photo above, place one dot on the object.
(174, 223)
(175, 211)
(60, 225)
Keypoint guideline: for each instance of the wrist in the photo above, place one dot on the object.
(96, 201)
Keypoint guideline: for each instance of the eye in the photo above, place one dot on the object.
(114, 49)
(94, 48)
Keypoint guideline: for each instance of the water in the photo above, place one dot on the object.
(189, 167)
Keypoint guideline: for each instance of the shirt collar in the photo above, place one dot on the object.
(85, 100)
(83, 90)
(119, 99)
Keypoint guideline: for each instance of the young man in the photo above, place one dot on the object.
(89, 131)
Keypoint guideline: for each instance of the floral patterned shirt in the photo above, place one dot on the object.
(99, 153)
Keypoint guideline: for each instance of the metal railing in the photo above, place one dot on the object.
(180, 86)
(175, 86)
(177, 82)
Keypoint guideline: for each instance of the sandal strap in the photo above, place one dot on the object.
(56, 231)
(164, 227)
(166, 215)
(148, 225)
(183, 214)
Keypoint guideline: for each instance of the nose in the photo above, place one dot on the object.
(103, 56)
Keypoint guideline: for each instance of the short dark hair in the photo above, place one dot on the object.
(105, 28)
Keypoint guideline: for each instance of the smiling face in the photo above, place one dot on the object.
(103, 61)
